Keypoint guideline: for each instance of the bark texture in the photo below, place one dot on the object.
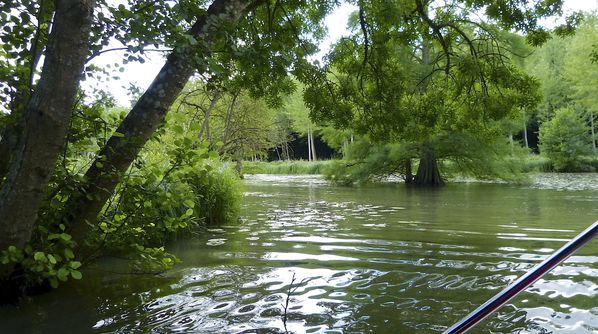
(19, 103)
(144, 119)
(41, 131)
(4, 157)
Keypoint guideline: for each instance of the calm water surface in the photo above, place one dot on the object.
(378, 259)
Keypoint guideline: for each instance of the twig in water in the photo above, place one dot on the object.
(290, 292)
(285, 306)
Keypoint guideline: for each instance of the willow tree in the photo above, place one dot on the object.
(405, 75)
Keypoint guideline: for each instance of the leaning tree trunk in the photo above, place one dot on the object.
(44, 123)
(142, 121)
(428, 174)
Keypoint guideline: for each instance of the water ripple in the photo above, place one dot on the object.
(367, 260)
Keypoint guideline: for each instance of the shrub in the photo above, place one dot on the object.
(217, 194)
(565, 140)
(537, 163)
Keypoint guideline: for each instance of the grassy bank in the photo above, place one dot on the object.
(538, 163)
(297, 167)
(531, 164)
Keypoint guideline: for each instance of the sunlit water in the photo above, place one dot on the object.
(378, 259)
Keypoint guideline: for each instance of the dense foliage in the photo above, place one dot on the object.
(82, 179)
(565, 140)
(175, 187)
(567, 113)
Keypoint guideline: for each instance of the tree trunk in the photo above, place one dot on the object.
(229, 117)
(9, 139)
(593, 132)
(286, 151)
(142, 121)
(205, 126)
(44, 123)
(308, 145)
(511, 143)
(313, 147)
(408, 172)
(4, 156)
(525, 133)
(428, 174)
(19, 103)
(239, 163)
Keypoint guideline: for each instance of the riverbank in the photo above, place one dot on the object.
(530, 165)
(292, 167)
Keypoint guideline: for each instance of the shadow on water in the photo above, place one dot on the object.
(378, 259)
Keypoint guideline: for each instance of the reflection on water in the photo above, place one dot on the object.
(383, 259)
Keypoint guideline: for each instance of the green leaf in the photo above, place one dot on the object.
(118, 134)
(68, 253)
(52, 259)
(53, 236)
(76, 274)
(53, 282)
(178, 129)
(75, 264)
(62, 274)
(39, 256)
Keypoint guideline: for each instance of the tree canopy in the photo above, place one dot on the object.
(415, 72)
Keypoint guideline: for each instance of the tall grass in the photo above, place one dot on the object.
(218, 195)
(297, 167)
(539, 163)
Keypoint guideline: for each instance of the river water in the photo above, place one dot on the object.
(375, 259)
